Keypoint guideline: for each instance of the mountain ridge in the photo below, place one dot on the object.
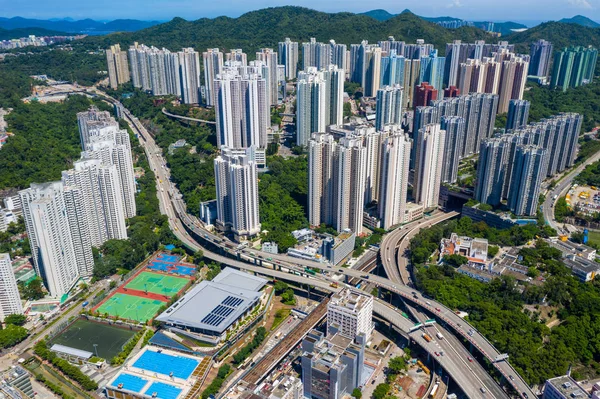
(87, 26)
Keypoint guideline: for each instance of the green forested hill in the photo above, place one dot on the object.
(558, 33)
(267, 27)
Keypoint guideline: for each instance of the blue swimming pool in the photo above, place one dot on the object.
(130, 382)
(181, 367)
(163, 391)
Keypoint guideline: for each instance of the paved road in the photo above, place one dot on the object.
(559, 190)
(157, 164)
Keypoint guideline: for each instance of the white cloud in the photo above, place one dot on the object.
(457, 3)
(581, 4)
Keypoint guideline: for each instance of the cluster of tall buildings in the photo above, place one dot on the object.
(163, 72)
(36, 41)
(573, 66)
(512, 166)
(88, 206)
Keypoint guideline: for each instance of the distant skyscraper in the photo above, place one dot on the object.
(428, 165)
(321, 55)
(540, 53)
(288, 57)
(528, 173)
(389, 106)
(236, 180)
(241, 109)
(573, 66)
(395, 157)
(189, 63)
(213, 65)
(269, 57)
(491, 171)
(518, 114)
(319, 101)
(432, 70)
(10, 300)
(513, 76)
(47, 221)
(237, 55)
(392, 69)
(118, 69)
(455, 130)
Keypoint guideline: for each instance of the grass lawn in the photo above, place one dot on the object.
(280, 317)
(594, 237)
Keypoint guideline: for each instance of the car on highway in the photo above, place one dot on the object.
(470, 359)
(511, 377)
(525, 395)
(436, 353)
(438, 309)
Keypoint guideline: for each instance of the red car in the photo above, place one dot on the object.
(437, 354)
(438, 309)
(470, 359)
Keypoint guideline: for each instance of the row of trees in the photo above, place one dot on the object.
(69, 370)
(247, 350)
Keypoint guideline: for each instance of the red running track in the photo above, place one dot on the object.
(142, 294)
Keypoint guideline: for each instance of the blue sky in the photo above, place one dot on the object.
(516, 10)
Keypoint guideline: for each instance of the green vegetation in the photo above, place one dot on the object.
(584, 100)
(45, 142)
(561, 210)
(560, 34)
(214, 269)
(15, 319)
(11, 244)
(280, 317)
(381, 391)
(285, 292)
(356, 393)
(590, 176)
(498, 310)
(264, 28)
(73, 372)
(216, 384)
(282, 194)
(455, 260)
(247, 350)
(12, 335)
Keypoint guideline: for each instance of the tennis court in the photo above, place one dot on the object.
(168, 258)
(130, 307)
(157, 283)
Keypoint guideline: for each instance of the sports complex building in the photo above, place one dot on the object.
(212, 308)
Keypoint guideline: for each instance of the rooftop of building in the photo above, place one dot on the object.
(236, 278)
(67, 350)
(569, 247)
(214, 306)
(352, 300)
(579, 263)
(568, 387)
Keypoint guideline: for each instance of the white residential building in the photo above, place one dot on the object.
(236, 180)
(269, 57)
(350, 312)
(288, 57)
(10, 301)
(428, 165)
(118, 70)
(213, 65)
(321, 180)
(389, 106)
(189, 64)
(48, 228)
(395, 160)
(241, 109)
(319, 101)
(351, 177)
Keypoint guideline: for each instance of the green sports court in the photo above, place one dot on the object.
(161, 284)
(130, 307)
